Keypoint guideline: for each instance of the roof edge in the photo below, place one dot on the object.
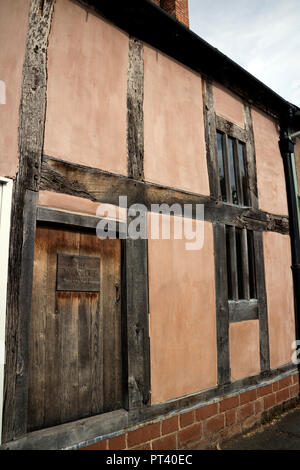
(148, 22)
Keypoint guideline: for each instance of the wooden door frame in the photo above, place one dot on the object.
(135, 328)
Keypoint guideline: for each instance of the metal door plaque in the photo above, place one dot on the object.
(77, 273)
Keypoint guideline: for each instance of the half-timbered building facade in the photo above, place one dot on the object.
(129, 342)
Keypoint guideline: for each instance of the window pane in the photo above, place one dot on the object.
(238, 235)
(251, 258)
(228, 262)
(241, 153)
(221, 166)
(232, 171)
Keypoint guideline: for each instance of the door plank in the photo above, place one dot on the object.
(111, 327)
(60, 241)
(67, 306)
(87, 326)
(36, 399)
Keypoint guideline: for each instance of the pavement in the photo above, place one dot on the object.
(282, 433)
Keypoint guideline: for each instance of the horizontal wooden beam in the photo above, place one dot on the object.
(243, 310)
(104, 187)
(230, 129)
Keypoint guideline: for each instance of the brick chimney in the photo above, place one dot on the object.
(177, 8)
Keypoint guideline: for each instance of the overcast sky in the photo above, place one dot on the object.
(263, 36)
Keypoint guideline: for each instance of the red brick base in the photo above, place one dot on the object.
(204, 426)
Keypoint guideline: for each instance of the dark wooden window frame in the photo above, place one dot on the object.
(240, 265)
(241, 307)
(232, 311)
(226, 140)
(238, 135)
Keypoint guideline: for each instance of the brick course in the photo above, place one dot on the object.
(208, 424)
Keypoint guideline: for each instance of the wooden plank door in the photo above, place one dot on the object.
(75, 342)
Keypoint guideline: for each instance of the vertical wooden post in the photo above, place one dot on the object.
(31, 138)
(262, 302)
(135, 114)
(138, 346)
(211, 139)
(136, 251)
(222, 304)
(251, 158)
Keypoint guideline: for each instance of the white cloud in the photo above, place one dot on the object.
(262, 36)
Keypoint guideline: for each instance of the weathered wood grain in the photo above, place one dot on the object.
(87, 308)
(76, 337)
(30, 145)
(137, 327)
(222, 309)
(211, 139)
(262, 302)
(101, 186)
(243, 310)
(251, 157)
(231, 129)
(135, 113)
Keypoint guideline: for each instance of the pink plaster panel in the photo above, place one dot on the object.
(270, 171)
(13, 31)
(87, 86)
(279, 285)
(244, 349)
(175, 153)
(228, 105)
(182, 317)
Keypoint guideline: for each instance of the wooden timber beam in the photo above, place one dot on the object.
(103, 187)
